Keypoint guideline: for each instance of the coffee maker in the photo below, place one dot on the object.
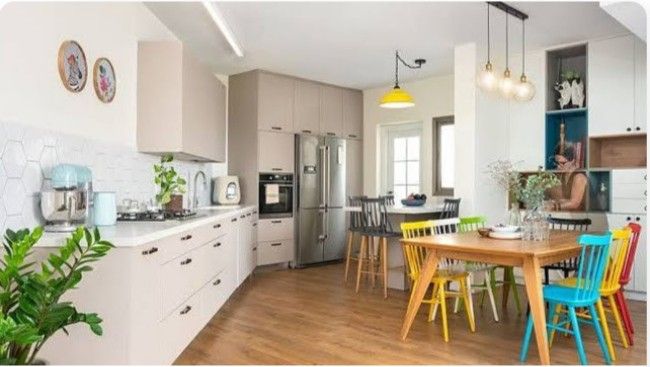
(65, 205)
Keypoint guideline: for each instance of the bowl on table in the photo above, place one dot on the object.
(500, 228)
(413, 202)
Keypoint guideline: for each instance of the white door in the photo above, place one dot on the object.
(401, 160)
(610, 97)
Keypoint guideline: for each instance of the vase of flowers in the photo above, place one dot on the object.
(531, 194)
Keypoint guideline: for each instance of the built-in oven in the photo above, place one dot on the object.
(276, 195)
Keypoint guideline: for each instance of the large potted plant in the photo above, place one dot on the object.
(31, 305)
(172, 186)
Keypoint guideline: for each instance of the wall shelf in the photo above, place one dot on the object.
(618, 151)
(568, 111)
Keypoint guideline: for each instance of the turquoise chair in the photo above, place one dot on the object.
(585, 294)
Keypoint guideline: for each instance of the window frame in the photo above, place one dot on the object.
(438, 122)
(388, 132)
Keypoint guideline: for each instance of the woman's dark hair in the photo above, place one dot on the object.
(569, 151)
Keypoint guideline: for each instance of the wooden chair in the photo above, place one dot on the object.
(570, 265)
(415, 255)
(585, 294)
(470, 224)
(609, 286)
(355, 227)
(450, 208)
(619, 296)
(375, 226)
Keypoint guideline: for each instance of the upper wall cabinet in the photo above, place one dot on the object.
(276, 99)
(331, 111)
(352, 114)
(181, 104)
(307, 108)
(640, 95)
(611, 86)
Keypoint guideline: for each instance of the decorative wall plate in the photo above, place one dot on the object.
(104, 80)
(73, 68)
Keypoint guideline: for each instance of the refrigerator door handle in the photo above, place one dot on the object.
(327, 181)
(323, 177)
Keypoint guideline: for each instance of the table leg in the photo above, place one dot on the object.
(536, 300)
(422, 284)
(505, 287)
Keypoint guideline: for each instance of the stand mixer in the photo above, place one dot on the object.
(65, 205)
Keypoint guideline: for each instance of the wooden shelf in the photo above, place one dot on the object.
(617, 151)
(568, 111)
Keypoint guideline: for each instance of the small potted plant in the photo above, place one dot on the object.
(31, 305)
(172, 186)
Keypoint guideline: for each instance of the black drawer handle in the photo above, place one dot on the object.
(186, 261)
(255, 224)
(276, 221)
(638, 128)
(629, 129)
(331, 134)
(185, 238)
(218, 244)
(216, 226)
(186, 310)
(254, 248)
(307, 131)
(248, 214)
(352, 136)
(217, 282)
(233, 220)
(242, 216)
(628, 219)
(276, 128)
(276, 169)
(276, 244)
(638, 219)
(255, 212)
(150, 251)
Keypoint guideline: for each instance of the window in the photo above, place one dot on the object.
(444, 139)
(401, 164)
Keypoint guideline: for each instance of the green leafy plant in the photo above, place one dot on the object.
(168, 179)
(570, 75)
(31, 309)
(532, 191)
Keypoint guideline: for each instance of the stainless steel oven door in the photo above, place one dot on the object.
(275, 202)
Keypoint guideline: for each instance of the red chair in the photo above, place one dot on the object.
(625, 279)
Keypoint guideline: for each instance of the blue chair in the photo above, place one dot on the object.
(585, 294)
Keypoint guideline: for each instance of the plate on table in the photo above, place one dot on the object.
(505, 235)
(504, 229)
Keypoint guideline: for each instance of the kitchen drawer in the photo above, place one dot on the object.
(187, 240)
(633, 206)
(181, 326)
(182, 277)
(216, 254)
(628, 176)
(218, 228)
(274, 229)
(217, 291)
(629, 191)
(274, 252)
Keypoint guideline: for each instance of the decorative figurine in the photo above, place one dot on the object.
(564, 89)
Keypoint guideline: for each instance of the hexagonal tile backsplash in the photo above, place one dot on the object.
(27, 155)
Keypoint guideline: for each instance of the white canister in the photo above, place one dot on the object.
(104, 208)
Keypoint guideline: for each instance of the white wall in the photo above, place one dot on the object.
(434, 97)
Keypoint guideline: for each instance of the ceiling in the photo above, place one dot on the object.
(352, 43)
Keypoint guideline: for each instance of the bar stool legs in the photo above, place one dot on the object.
(348, 255)
(367, 255)
(362, 256)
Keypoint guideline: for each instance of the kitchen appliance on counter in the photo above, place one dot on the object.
(66, 204)
(321, 197)
(275, 195)
(225, 190)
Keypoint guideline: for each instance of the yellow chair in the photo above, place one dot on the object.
(414, 256)
(608, 288)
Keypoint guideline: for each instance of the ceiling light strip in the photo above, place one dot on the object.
(221, 23)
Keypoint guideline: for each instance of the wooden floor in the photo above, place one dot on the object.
(309, 316)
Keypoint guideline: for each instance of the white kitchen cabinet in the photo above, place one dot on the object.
(307, 108)
(640, 93)
(275, 229)
(352, 114)
(275, 152)
(354, 167)
(629, 191)
(247, 246)
(275, 241)
(611, 86)
(180, 104)
(276, 99)
(331, 111)
(275, 252)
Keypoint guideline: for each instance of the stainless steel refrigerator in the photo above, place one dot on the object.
(320, 175)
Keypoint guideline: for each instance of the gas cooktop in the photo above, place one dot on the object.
(157, 216)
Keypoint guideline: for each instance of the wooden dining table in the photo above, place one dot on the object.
(470, 246)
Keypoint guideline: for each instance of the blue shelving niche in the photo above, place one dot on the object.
(575, 128)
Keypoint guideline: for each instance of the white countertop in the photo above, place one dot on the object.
(405, 210)
(131, 234)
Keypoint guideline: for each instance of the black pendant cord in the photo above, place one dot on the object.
(523, 47)
(396, 70)
(418, 64)
(507, 41)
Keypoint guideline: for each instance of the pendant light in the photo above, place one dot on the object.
(506, 84)
(524, 90)
(487, 79)
(397, 97)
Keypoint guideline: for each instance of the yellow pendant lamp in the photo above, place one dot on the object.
(398, 97)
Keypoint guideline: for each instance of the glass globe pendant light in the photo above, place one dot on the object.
(524, 90)
(506, 84)
(486, 78)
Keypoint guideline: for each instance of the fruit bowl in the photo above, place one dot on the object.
(413, 202)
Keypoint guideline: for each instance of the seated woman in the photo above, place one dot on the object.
(571, 194)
